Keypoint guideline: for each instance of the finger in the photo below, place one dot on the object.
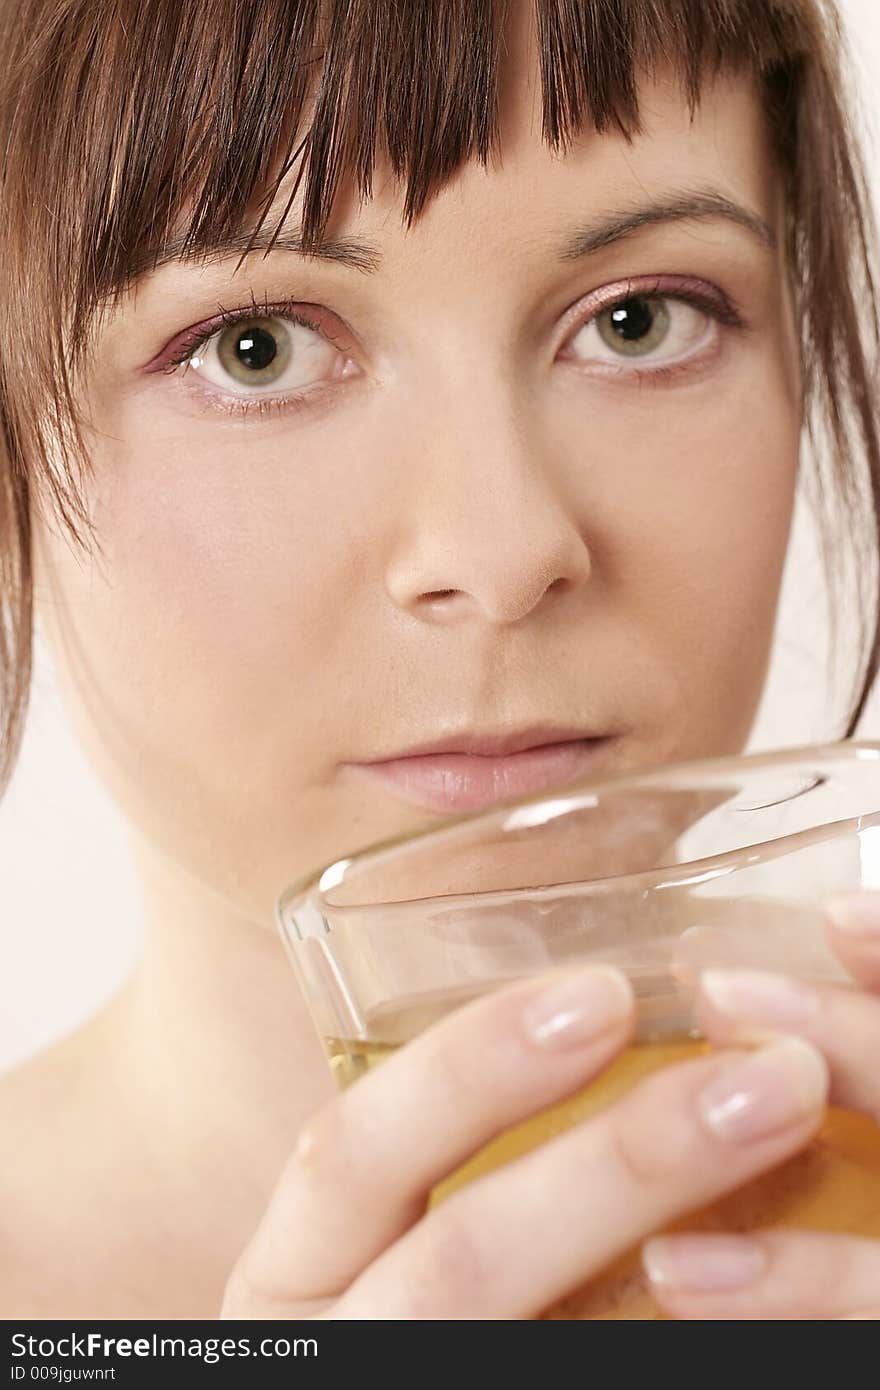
(514, 1241)
(364, 1164)
(747, 1006)
(853, 925)
(768, 1274)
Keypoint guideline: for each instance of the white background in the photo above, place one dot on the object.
(71, 926)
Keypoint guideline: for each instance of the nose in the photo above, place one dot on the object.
(487, 531)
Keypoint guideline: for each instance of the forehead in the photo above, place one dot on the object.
(528, 184)
(526, 205)
(528, 193)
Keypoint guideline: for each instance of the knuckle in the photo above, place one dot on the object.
(257, 1288)
(321, 1148)
(470, 1071)
(455, 1076)
(653, 1136)
(449, 1259)
(639, 1162)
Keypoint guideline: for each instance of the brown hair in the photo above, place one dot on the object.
(122, 125)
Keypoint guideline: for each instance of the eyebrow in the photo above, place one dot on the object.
(587, 240)
(679, 207)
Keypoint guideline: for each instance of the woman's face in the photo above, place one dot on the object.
(496, 501)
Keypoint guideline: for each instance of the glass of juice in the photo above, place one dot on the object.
(662, 871)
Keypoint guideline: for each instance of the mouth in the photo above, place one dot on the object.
(479, 772)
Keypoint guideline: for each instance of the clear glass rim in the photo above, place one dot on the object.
(308, 888)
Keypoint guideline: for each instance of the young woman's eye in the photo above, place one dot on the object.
(266, 354)
(657, 330)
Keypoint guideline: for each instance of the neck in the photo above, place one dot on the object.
(213, 1044)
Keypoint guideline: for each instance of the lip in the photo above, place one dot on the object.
(493, 745)
(459, 781)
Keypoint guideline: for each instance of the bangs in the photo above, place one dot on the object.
(159, 117)
(159, 124)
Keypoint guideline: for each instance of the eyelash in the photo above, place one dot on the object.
(716, 304)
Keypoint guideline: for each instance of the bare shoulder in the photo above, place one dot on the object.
(24, 1092)
(91, 1221)
(32, 1095)
(43, 1120)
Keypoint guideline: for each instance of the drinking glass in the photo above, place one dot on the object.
(662, 871)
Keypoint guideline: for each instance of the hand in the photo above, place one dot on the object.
(784, 1274)
(346, 1233)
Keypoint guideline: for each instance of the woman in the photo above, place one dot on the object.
(372, 375)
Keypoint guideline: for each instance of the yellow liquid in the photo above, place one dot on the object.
(833, 1184)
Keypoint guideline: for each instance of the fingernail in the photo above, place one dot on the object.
(578, 1009)
(703, 1264)
(760, 997)
(856, 913)
(765, 1092)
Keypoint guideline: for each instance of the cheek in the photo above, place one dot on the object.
(196, 656)
(692, 550)
(231, 557)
